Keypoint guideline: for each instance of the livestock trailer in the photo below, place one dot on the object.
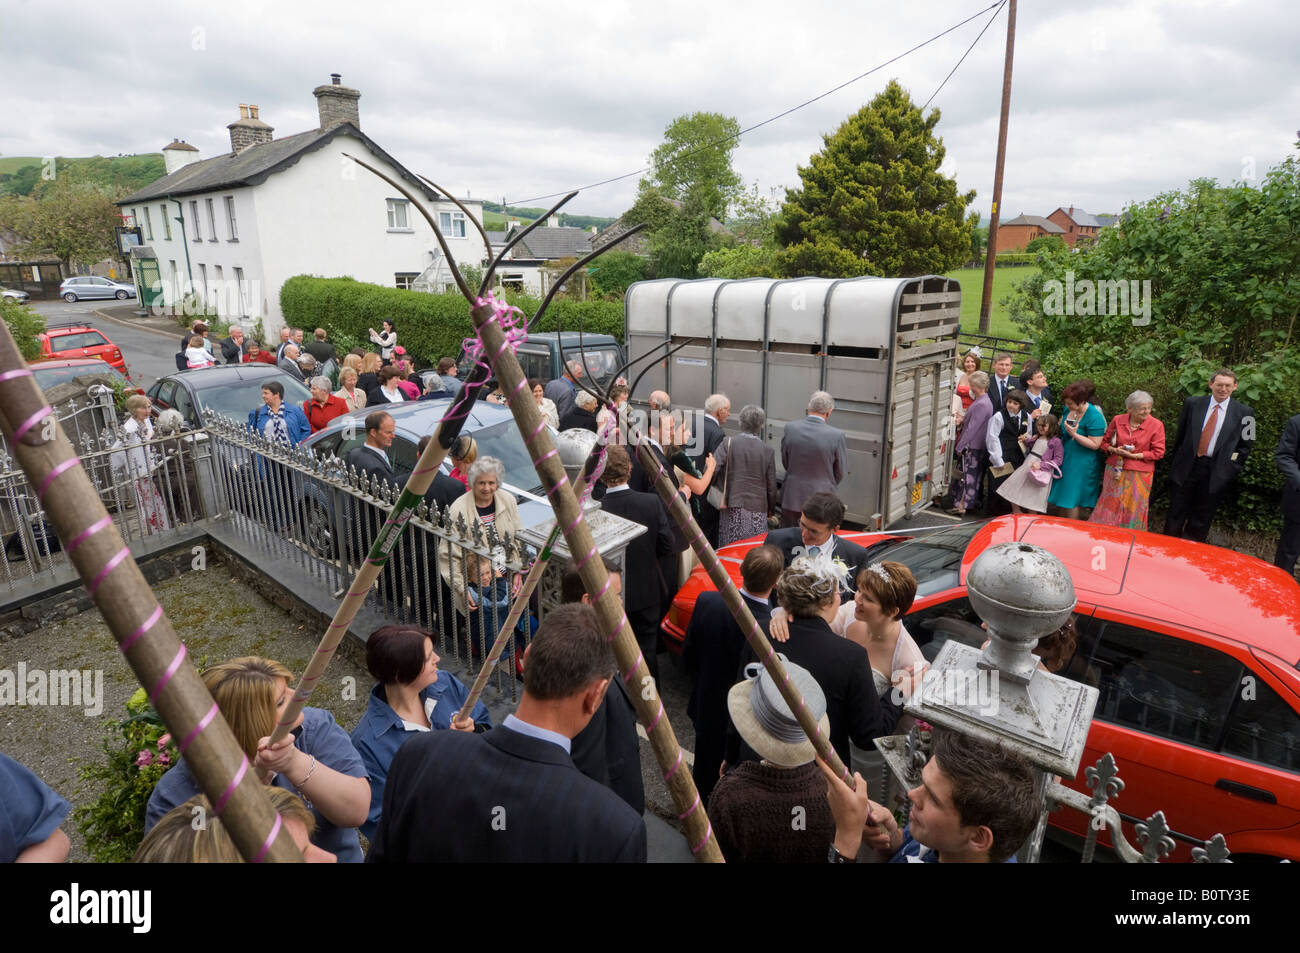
(884, 348)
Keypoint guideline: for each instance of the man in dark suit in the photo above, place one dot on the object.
(642, 482)
(512, 794)
(234, 348)
(1000, 381)
(717, 408)
(714, 646)
(814, 455)
(1287, 456)
(821, 517)
(371, 458)
(644, 594)
(1215, 435)
(608, 750)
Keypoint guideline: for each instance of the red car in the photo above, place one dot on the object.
(1194, 650)
(77, 340)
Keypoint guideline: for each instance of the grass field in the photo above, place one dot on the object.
(12, 164)
(972, 282)
(496, 222)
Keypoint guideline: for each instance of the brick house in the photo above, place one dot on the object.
(1076, 225)
(1015, 234)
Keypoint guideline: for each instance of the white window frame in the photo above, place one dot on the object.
(239, 290)
(167, 222)
(212, 221)
(148, 224)
(451, 223)
(399, 215)
(230, 219)
(405, 279)
(194, 221)
(203, 284)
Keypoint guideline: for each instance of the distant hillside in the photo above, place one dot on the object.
(530, 214)
(117, 175)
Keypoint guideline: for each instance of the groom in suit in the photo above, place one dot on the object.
(371, 458)
(821, 516)
(512, 794)
(1287, 456)
(1215, 435)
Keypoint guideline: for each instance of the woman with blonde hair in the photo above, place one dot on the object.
(369, 377)
(316, 759)
(462, 455)
(177, 840)
(140, 460)
(351, 394)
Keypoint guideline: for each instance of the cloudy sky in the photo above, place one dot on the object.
(1112, 102)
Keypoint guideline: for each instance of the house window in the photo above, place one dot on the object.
(148, 224)
(452, 224)
(135, 220)
(212, 222)
(176, 279)
(397, 214)
(202, 289)
(194, 222)
(239, 290)
(230, 218)
(167, 222)
(405, 279)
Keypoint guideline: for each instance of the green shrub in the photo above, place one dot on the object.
(24, 324)
(140, 751)
(429, 326)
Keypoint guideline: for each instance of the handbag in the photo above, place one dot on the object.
(718, 498)
(1041, 476)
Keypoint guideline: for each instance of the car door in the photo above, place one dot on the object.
(1174, 711)
(103, 288)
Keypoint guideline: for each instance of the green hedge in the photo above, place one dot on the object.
(429, 326)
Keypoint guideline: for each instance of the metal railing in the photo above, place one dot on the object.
(316, 518)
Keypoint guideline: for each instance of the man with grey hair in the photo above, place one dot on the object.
(660, 401)
(563, 389)
(289, 363)
(583, 414)
(322, 406)
(815, 456)
(717, 408)
(233, 347)
(512, 794)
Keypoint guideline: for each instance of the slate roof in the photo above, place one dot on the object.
(1045, 224)
(1080, 217)
(1106, 220)
(256, 163)
(496, 238)
(551, 243)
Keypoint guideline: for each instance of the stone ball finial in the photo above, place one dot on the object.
(1022, 593)
(574, 445)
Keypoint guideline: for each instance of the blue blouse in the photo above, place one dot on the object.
(30, 811)
(380, 732)
(323, 738)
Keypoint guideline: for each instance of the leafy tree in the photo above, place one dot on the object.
(614, 271)
(70, 220)
(678, 234)
(874, 202)
(740, 261)
(693, 163)
(1223, 267)
(1046, 243)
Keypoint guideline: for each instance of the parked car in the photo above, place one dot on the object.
(544, 354)
(229, 389)
(491, 425)
(80, 340)
(51, 373)
(20, 297)
(92, 286)
(1194, 650)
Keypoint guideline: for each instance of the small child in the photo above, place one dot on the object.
(196, 355)
(1023, 489)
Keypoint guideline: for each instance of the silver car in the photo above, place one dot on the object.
(92, 286)
(20, 297)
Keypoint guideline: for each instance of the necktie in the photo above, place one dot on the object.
(1207, 432)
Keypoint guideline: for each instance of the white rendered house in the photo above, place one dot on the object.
(234, 227)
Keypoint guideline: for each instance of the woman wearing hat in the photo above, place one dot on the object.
(754, 808)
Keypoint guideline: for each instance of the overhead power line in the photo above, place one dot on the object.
(781, 115)
(964, 55)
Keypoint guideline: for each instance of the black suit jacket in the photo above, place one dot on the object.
(444, 490)
(641, 588)
(368, 462)
(995, 397)
(608, 750)
(843, 670)
(579, 419)
(499, 797)
(713, 650)
(790, 538)
(1232, 442)
(1287, 456)
(642, 482)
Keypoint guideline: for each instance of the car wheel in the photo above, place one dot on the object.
(122, 296)
(70, 297)
(318, 528)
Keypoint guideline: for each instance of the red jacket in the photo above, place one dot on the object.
(1148, 440)
(318, 416)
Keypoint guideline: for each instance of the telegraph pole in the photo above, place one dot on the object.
(990, 252)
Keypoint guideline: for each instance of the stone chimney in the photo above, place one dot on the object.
(248, 130)
(553, 222)
(337, 103)
(178, 153)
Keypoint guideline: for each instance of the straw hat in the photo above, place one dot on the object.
(765, 721)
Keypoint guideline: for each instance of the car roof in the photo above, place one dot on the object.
(415, 418)
(1192, 585)
(202, 378)
(571, 338)
(70, 362)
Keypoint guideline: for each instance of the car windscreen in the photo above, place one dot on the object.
(504, 442)
(47, 377)
(934, 558)
(236, 399)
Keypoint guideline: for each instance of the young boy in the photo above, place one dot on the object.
(975, 804)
